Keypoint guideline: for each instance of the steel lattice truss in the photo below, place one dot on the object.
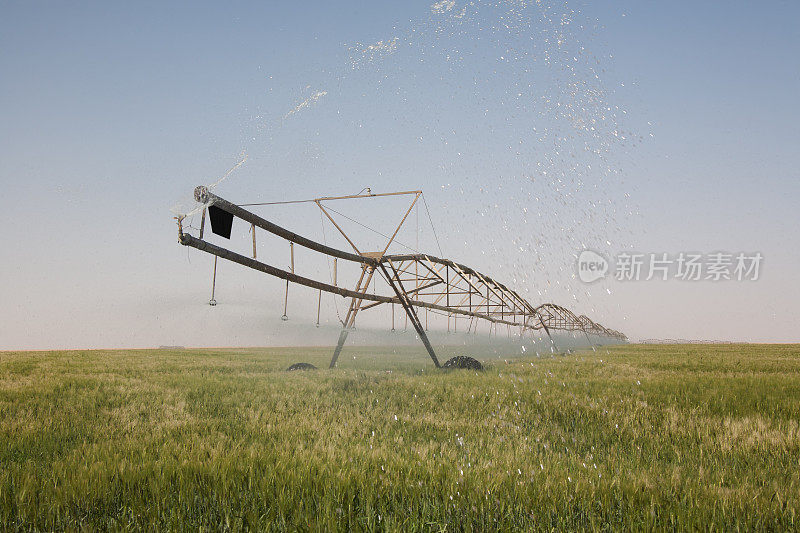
(417, 280)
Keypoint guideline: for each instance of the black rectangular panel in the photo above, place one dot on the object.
(221, 221)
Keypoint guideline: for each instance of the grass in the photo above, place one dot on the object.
(629, 437)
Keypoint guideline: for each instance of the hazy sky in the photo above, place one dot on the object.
(534, 130)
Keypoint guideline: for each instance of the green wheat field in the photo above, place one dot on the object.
(627, 437)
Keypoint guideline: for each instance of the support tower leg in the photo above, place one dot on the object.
(339, 345)
(590, 341)
(397, 286)
(355, 305)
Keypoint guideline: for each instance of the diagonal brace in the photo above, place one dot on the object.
(397, 286)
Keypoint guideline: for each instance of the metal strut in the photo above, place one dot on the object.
(406, 303)
(547, 330)
(342, 337)
(355, 306)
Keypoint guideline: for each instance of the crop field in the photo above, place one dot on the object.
(628, 437)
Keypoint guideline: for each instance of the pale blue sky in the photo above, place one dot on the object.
(113, 113)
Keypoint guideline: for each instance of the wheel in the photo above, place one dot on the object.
(463, 361)
(301, 366)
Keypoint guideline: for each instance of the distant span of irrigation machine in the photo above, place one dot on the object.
(416, 281)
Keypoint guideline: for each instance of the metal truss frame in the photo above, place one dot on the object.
(418, 281)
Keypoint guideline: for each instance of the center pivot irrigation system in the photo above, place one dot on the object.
(417, 281)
